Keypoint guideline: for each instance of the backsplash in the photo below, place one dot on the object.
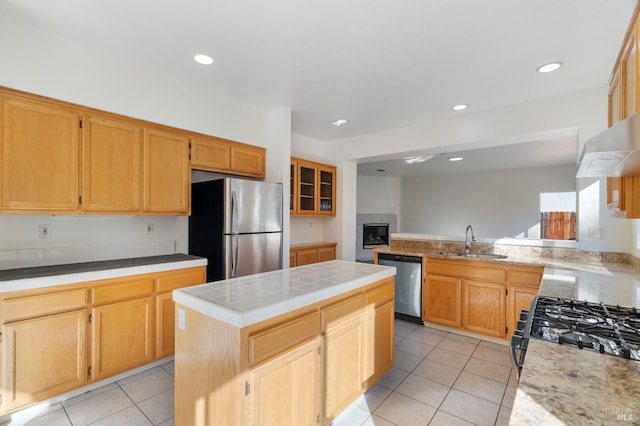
(560, 253)
(31, 257)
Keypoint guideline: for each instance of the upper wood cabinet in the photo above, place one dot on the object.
(39, 156)
(61, 158)
(225, 156)
(112, 165)
(167, 174)
(313, 188)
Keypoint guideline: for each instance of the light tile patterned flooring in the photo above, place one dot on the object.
(439, 378)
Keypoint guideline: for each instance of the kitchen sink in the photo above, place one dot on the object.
(473, 255)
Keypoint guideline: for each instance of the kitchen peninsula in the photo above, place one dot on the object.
(297, 345)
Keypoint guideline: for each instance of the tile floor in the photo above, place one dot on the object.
(439, 378)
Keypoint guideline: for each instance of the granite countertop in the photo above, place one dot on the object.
(45, 276)
(562, 385)
(247, 300)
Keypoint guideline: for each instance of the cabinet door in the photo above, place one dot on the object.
(112, 167)
(293, 187)
(615, 99)
(343, 365)
(379, 317)
(43, 357)
(248, 161)
(122, 337)
(483, 307)
(629, 76)
(326, 190)
(306, 188)
(305, 257)
(292, 259)
(285, 390)
(167, 174)
(441, 300)
(326, 253)
(165, 308)
(39, 156)
(518, 298)
(210, 154)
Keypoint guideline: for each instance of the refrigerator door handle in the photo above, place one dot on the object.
(234, 211)
(234, 255)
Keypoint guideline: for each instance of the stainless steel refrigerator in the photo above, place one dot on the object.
(237, 225)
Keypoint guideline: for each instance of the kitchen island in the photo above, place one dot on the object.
(295, 346)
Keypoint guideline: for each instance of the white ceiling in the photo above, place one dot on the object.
(380, 64)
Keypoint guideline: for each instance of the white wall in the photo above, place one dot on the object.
(379, 195)
(503, 203)
(42, 63)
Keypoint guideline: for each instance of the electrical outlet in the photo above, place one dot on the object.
(44, 230)
(149, 229)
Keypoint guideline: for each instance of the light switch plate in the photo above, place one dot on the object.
(181, 318)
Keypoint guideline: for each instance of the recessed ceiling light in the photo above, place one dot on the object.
(203, 59)
(459, 107)
(418, 159)
(455, 158)
(550, 67)
(340, 122)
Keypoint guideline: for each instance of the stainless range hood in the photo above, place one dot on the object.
(614, 152)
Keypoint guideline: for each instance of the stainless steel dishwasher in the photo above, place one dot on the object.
(408, 297)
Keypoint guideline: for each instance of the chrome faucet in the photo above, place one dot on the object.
(467, 241)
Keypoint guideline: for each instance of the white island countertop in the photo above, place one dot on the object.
(247, 300)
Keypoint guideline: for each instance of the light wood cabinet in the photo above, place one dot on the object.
(43, 357)
(442, 302)
(39, 156)
(287, 388)
(122, 337)
(314, 188)
(307, 253)
(343, 328)
(167, 174)
(56, 339)
(484, 307)
(379, 317)
(112, 165)
(225, 156)
(165, 307)
(302, 367)
(483, 297)
(61, 158)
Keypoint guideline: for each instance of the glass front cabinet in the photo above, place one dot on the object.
(313, 189)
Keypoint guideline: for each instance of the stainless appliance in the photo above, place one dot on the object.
(606, 329)
(408, 291)
(237, 225)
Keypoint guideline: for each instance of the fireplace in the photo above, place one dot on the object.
(374, 235)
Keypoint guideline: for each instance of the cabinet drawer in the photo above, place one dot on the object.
(524, 278)
(380, 295)
(331, 315)
(121, 290)
(472, 272)
(27, 307)
(182, 279)
(274, 340)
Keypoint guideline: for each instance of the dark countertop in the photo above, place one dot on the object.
(74, 268)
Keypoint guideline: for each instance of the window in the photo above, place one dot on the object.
(558, 215)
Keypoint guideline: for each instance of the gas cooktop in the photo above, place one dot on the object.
(608, 329)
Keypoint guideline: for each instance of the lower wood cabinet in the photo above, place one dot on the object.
(483, 297)
(301, 368)
(43, 357)
(307, 253)
(442, 301)
(287, 388)
(56, 339)
(483, 307)
(122, 337)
